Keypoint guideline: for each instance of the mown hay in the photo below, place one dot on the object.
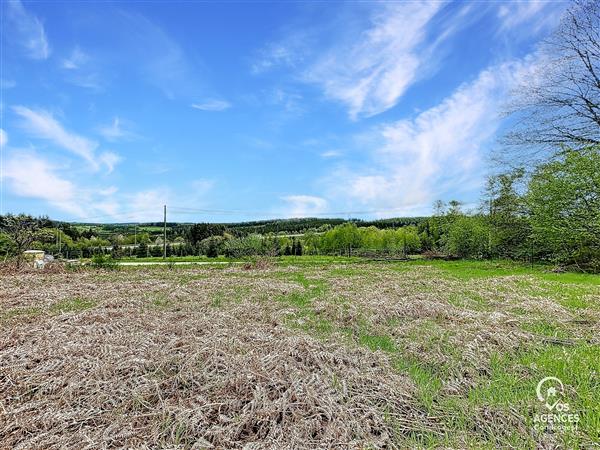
(118, 379)
(11, 268)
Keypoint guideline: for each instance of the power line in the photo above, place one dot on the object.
(185, 210)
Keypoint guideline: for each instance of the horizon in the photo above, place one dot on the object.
(266, 221)
(245, 111)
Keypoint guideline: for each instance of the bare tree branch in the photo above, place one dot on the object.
(560, 105)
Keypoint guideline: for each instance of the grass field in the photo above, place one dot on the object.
(305, 353)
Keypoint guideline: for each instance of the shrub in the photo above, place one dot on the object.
(104, 262)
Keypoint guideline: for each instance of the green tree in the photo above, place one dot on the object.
(200, 231)
(211, 246)
(142, 250)
(564, 203)
(467, 237)
(156, 250)
(21, 229)
(312, 243)
(409, 241)
(506, 211)
(117, 251)
(342, 238)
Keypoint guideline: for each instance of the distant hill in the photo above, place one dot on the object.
(299, 225)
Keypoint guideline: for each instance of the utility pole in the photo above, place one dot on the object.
(490, 228)
(165, 233)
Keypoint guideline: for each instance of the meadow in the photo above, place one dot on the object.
(302, 352)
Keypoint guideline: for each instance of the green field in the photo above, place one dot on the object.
(279, 260)
(299, 352)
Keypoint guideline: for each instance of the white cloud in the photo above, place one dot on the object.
(373, 72)
(415, 161)
(370, 62)
(331, 154)
(289, 101)
(75, 60)
(111, 190)
(116, 131)
(212, 105)
(3, 138)
(536, 14)
(110, 160)
(303, 205)
(201, 186)
(92, 81)
(147, 205)
(28, 30)
(80, 70)
(291, 52)
(28, 175)
(43, 125)
(113, 131)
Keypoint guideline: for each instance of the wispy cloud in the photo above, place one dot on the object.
(292, 51)
(331, 154)
(81, 70)
(116, 131)
(143, 203)
(27, 30)
(303, 205)
(110, 160)
(43, 125)
(75, 60)
(370, 74)
(289, 100)
(87, 80)
(535, 14)
(155, 55)
(414, 161)
(212, 105)
(146, 205)
(201, 186)
(29, 175)
(372, 60)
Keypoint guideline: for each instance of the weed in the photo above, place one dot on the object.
(72, 305)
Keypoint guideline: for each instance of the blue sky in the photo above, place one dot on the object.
(241, 111)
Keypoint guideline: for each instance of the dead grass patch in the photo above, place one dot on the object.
(166, 379)
(323, 356)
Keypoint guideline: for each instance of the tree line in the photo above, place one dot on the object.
(551, 214)
(542, 202)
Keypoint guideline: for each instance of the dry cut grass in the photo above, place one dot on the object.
(267, 356)
(128, 370)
